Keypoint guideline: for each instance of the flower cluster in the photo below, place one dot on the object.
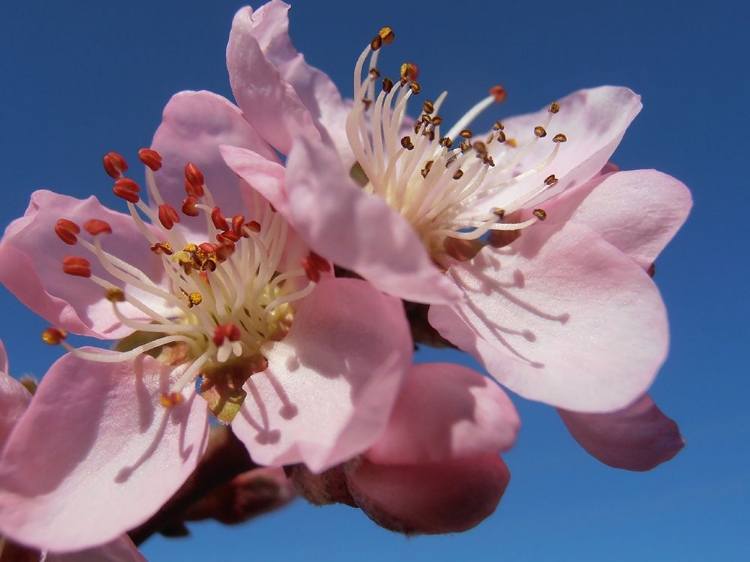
(280, 262)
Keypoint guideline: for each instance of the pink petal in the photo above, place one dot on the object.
(430, 499)
(640, 437)
(446, 412)
(315, 89)
(31, 265)
(267, 100)
(359, 231)
(263, 175)
(105, 456)
(565, 320)
(194, 125)
(594, 122)
(638, 212)
(14, 398)
(121, 549)
(331, 383)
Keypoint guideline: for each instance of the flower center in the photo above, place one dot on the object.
(217, 301)
(439, 182)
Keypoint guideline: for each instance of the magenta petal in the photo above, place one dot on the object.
(121, 549)
(14, 398)
(594, 122)
(446, 412)
(31, 265)
(430, 499)
(638, 212)
(96, 454)
(193, 126)
(640, 437)
(359, 231)
(331, 383)
(567, 320)
(268, 101)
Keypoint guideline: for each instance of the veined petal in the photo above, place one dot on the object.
(31, 265)
(359, 231)
(194, 125)
(639, 437)
(268, 102)
(565, 320)
(331, 383)
(94, 437)
(446, 412)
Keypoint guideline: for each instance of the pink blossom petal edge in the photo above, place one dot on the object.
(121, 549)
(566, 320)
(353, 229)
(106, 455)
(194, 125)
(333, 380)
(31, 265)
(270, 27)
(446, 412)
(429, 499)
(14, 398)
(268, 102)
(594, 122)
(639, 437)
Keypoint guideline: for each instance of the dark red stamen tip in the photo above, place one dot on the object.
(499, 93)
(238, 221)
(194, 179)
(218, 219)
(150, 158)
(97, 226)
(168, 216)
(127, 189)
(76, 265)
(66, 230)
(114, 165)
(189, 207)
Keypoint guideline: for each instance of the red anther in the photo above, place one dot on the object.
(66, 230)
(168, 216)
(114, 165)
(97, 226)
(194, 177)
(227, 236)
(150, 158)
(651, 270)
(320, 263)
(228, 331)
(312, 272)
(169, 399)
(208, 248)
(238, 221)
(499, 93)
(218, 219)
(253, 226)
(189, 207)
(76, 265)
(409, 71)
(127, 189)
(225, 250)
(53, 336)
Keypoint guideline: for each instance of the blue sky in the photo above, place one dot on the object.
(80, 79)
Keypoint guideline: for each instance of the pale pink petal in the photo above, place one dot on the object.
(268, 101)
(331, 383)
(31, 265)
(565, 320)
(14, 398)
(263, 175)
(640, 437)
(638, 212)
(193, 126)
(446, 412)
(594, 122)
(121, 549)
(315, 89)
(359, 231)
(96, 453)
(430, 499)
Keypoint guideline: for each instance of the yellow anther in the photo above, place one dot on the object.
(386, 35)
(559, 137)
(540, 132)
(541, 214)
(194, 299)
(554, 107)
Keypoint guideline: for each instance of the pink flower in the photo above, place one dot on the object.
(436, 468)
(14, 400)
(556, 303)
(216, 292)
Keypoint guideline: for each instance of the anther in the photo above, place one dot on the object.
(428, 107)
(409, 72)
(559, 137)
(387, 85)
(415, 87)
(541, 214)
(554, 107)
(406, 143)
(115, 294)
(66, 230)
(499, 93)
(445, 142)
(162, 248)
(189, 207)
(226, 331)
(170, 399)
(550, 180)
(458, 175)
(540, 132)
(437, 120)
(97, 226)
(651, 270)
(150, 158)
(76, 265)
(498, 126)
(466, 133)
(168, 216)
(218, 219)
(386, 35)
(114, 165)
(53, 336)
(195, 178)
(127, 189)
(375, 73)
(427, 168)
(194, 299)
(253, 226)
(238, 221)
